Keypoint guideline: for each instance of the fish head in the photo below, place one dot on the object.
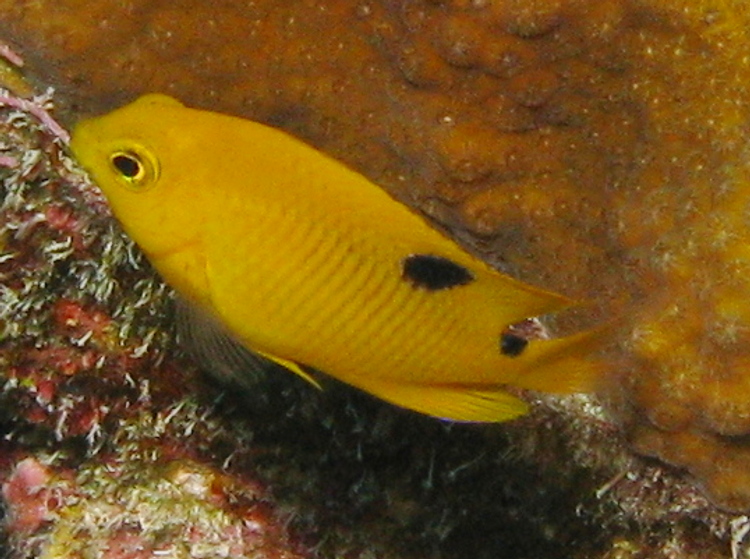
(140, 156)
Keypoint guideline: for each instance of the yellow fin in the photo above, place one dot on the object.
(292, 366)
(563, 365)
(450, 401)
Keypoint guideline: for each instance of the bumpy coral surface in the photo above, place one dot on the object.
(594, 148)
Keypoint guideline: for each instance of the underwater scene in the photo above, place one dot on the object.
(375, 279)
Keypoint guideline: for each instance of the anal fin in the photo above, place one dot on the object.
(463, 403)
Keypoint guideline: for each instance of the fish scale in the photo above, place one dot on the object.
(327, 276)
(347, 284)
(317, 268)
(307, 262)
(314, 263)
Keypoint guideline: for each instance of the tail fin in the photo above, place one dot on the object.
(563, 365)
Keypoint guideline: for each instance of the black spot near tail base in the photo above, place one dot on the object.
(512, 345)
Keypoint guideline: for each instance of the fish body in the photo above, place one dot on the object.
(305, 261)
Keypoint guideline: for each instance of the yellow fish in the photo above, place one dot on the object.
(306, 262)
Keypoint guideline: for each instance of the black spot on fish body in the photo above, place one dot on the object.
(512, 345)
(427, 271)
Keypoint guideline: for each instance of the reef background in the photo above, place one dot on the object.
(594, 148)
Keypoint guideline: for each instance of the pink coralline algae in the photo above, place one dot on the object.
(132, 508)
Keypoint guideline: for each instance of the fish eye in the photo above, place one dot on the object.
(129, 166)
(134, 168)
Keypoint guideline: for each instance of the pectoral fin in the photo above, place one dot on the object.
(219, 353)
(215, 350)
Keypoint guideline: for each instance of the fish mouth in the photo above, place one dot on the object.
(90, 190)
(80, 136)
(83, 146)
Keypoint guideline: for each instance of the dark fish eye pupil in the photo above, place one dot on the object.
(128, 165)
